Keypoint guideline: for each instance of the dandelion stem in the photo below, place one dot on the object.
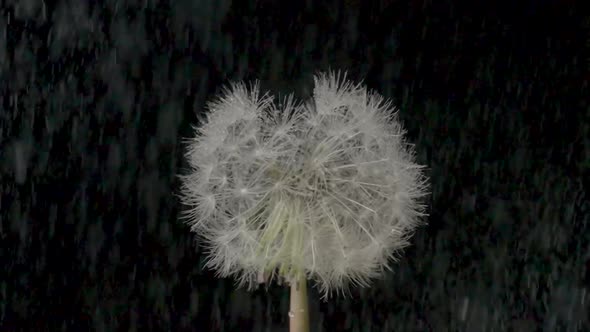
(298, 311)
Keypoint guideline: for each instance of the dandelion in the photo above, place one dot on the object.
(326, 191)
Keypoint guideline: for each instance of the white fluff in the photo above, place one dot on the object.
(327, 188)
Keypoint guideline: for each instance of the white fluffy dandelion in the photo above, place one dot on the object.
(326, 191)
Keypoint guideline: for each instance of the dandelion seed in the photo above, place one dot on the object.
(326, 190)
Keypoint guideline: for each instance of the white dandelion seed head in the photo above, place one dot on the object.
(328, 189)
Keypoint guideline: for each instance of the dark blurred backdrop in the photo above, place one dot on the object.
(96, 98)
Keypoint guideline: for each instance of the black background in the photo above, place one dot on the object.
(96, 98)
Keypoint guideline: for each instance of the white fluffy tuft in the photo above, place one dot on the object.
(328, 188)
